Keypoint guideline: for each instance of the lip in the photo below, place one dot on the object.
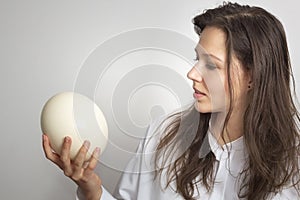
(198, 94)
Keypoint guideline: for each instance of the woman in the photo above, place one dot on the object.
(239, 140)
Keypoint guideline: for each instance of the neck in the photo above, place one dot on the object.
(233, 129)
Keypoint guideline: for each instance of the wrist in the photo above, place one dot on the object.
(90, 195)
(95, 195)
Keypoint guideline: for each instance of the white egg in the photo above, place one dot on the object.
(75, 115)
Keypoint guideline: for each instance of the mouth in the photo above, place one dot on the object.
(198, 94)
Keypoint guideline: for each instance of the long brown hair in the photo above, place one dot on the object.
(271, 134)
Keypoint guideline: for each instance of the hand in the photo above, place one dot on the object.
(81, 172)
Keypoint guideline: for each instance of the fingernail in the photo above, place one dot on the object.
(44, 137)
(97, 152)
(87, 144)
(67, 139)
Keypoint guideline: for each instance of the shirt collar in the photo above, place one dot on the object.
(224, 151)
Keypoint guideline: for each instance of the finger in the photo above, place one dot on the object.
(91, 165)
(94, 159)
(79, 160)
(65, 156)
(50, 155)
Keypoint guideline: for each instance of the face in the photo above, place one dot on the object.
(209, 75)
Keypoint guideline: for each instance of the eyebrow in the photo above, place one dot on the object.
(209, 55)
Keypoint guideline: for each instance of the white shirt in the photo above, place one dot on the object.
(141, 185)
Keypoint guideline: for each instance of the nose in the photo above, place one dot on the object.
(195, 75)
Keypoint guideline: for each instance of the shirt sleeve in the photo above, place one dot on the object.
(138, 177)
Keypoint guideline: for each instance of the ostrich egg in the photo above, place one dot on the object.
(74, 115)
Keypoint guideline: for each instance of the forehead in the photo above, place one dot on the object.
(212, 40)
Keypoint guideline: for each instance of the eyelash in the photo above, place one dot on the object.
(209, 65)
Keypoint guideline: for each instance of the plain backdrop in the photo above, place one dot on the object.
(42, 46)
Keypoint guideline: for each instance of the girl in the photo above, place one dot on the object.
(239, 140)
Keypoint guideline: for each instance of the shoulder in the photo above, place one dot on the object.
(147, 148)
(155, 132)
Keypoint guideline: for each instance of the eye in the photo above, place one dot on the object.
(210, 66)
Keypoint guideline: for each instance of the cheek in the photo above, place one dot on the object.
(218, 90)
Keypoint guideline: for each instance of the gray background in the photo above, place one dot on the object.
(42, 46)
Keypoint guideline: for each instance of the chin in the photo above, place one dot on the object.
(202, 108)
(207, 108)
